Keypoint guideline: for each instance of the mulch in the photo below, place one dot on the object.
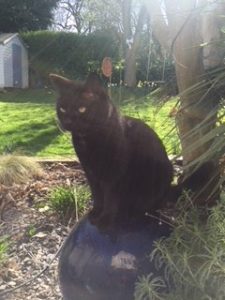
(34, 234)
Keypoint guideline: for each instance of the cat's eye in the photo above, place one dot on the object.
(82, 109)
(62, 110)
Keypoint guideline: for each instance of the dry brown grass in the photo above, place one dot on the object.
(18, 169)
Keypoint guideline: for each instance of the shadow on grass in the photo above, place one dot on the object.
(37, 96)
(30, 139)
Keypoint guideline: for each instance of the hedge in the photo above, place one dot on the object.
(74, 55)
(67, 53)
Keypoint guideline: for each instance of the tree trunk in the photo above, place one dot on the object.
(131, 42)
(192, 32)
(198, 110)
(130, 79)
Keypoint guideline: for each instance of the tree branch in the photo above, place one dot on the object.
(158, 23)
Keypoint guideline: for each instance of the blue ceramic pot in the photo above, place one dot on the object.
(97, 265)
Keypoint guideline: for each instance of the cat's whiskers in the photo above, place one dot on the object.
(62, 110)
(59, 125)
(82, 109)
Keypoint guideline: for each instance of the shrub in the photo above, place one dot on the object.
(18, 169)
(194, 256)
(69, 202)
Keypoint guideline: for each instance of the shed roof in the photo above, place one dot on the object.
(6, 37)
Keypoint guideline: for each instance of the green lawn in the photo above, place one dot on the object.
(28, 123)
(157, 117)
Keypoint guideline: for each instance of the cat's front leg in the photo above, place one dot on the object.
(95, 212)
(108, 216)
(98, 201)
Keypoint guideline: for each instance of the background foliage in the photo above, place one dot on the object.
(17, 15)
(67, 53)
(74, 55)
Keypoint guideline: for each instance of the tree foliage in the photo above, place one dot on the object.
(87, 16)
(125, 18)
(24, 15)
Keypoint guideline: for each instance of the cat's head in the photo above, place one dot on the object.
(80, 104)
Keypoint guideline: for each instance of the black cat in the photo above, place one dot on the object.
(124, 160)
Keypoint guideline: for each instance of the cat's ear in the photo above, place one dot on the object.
(94, 83)
(60, 83)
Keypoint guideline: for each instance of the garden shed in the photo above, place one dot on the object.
(13, 61)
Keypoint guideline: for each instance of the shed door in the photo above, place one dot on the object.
(17, 65)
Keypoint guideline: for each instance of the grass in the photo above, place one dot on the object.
(157, 117)
(29, 126)
(18, 169)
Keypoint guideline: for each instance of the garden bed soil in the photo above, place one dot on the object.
(34, 234)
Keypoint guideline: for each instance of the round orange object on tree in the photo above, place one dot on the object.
(107, 67)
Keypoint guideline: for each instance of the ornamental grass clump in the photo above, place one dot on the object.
(18, 169)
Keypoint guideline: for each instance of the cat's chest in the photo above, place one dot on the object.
(80, 142)
(86, 147)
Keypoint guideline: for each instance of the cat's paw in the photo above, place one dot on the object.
(105, 222)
